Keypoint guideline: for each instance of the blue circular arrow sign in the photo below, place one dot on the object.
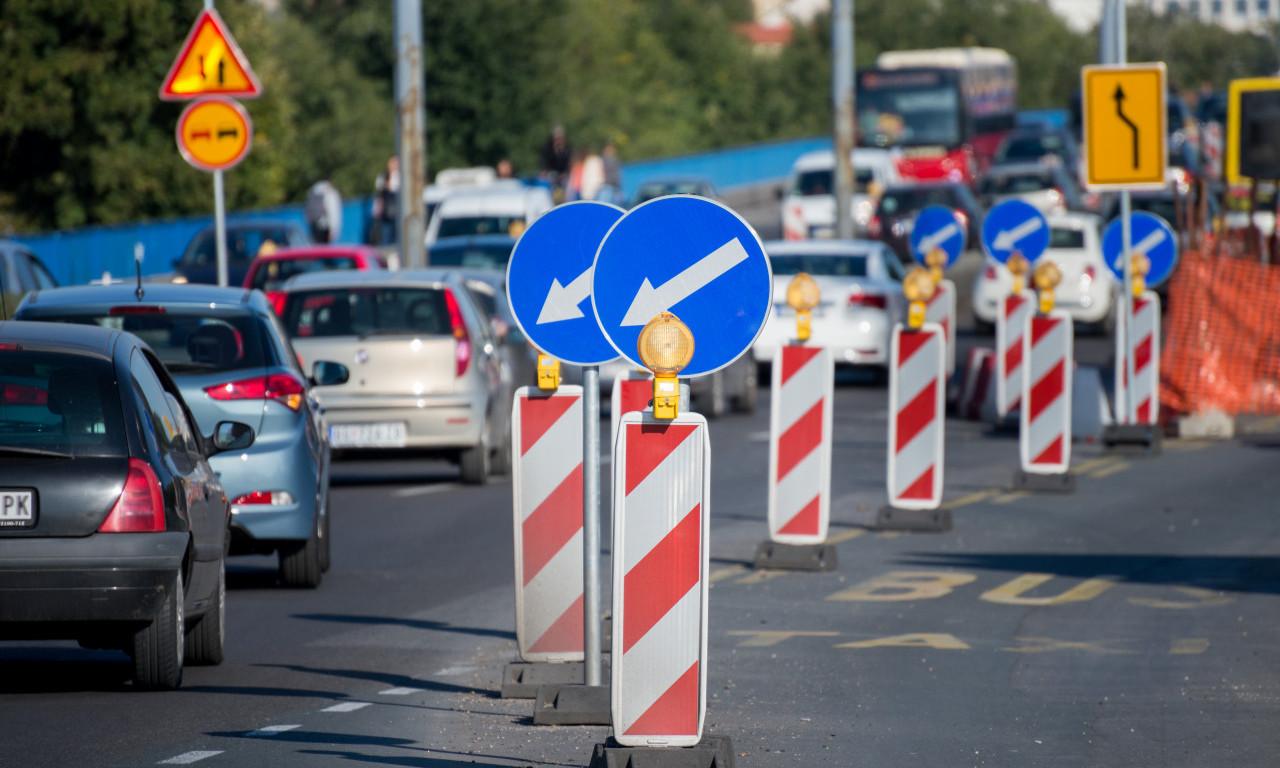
(695, 258)
(1015, 225)
(549, 281)
(1149, 235)
(937, 227)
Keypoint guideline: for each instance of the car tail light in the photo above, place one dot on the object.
(19, 394)
(277, 301)
(874, 300)
(140, 508)
(1087, 276)
(280, 387)
(136, 309)
(990, 274)
(271, 498)
(873, 227)
(462, 353)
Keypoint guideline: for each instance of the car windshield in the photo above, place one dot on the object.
(272, 274)
(819, 264)
(454, 226)
(59, 404)
(242, 244)
(488, 256)
(367, 312)
(1060, 237)
(1032, 147)
(913, 199)
(1015, 183)
(650, 191)
(185, 341)
(821, 182)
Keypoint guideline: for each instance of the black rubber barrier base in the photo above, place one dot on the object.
(1133, 439)
(572, 705)
(711, 752)
(1029, 481)
(795, 557)
(913, 520)
(520, 680)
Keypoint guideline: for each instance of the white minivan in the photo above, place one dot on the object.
(505, 207)
(809, 203)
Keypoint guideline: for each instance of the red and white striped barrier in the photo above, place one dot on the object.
(1011, 322)
(917, 381)
(1044, 438)
(661, 503)
(632, 391)
(1146, 361)
(546, 435)
(800, 444)
(941, 309)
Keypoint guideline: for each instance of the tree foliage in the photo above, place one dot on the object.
(85, 140)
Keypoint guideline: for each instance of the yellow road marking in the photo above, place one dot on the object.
(1188, 646)
(758, 576)
(1046, 644)
(843, 536)
(1111, 470)
(1086, 466)
(1005, 498)
(726, 573)
(765, 639)
(972, 498)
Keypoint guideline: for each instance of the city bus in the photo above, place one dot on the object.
(945, 108)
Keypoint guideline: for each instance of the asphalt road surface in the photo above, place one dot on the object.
(1133, 622)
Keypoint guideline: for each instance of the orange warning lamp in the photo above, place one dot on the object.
(918, 286)
(666, 347)
(1140, 265)
(1047, 276)
(803, 294)
(1018, 267)
(935, 261)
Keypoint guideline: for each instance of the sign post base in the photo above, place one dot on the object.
(795, 557)
(521, 680)
(1060, 482)
(711, 752)
(913, 520)
(1133, 439)
(572, 705)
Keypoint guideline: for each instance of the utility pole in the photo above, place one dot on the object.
(842, 103)
(411, 135)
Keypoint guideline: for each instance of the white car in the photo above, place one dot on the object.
(1087, 289)
(861, 284)
(809, 203)
(504, 207)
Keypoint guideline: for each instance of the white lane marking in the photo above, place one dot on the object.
(399, 691)
(423, 490)
(346, 706)
(187, 758)
(457, 670)
(272, 730)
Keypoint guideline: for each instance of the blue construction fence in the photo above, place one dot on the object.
(80, 255)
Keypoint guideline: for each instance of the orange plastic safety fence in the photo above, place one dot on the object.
(1222, 337)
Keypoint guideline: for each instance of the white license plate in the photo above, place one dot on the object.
(390, 434)
(17, 508)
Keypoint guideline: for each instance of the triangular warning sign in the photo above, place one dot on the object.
(210, 64)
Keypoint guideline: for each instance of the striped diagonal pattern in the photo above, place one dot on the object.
(632, 391)
(659, 577)
(1045, 434)
(1146, 361)
(1010, 324)
(916, 418)
(547, 492)
(941, 309)
(800, 445)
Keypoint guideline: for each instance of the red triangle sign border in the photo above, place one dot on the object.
(210, 16)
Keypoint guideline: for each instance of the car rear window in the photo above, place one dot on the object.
(270, 275)
(63, 403)
(469, 255)
(903, 200)
(821, 182)
(454, 226)
(367, 312)
(1066, 238)
(186, 341)
(820, 264)
(1015, 183)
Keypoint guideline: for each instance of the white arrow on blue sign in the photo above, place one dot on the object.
(937, 227)
(549, 281)
(690, 256)
(1149, 235)
(1015, 225)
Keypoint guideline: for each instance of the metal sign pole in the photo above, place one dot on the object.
(220, 226)
(842, 96)
(591, 521)
(1126, 240)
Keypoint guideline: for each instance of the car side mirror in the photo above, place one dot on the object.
(232, 436)
(326, 373)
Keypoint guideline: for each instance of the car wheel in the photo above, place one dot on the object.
(206, 638)
(746, 402)
(158, 647)
(474, 463)
(715, 403)
(501, 462)
(325, 540)
(300, 562)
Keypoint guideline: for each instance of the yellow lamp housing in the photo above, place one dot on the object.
(665, 347)
(1140, 266)
(548, 372)
(803, 294)
(1046, 277)
(1018, 267)
(918, 286)
(936, 260)
(804, 324)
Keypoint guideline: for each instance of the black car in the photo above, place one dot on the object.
(899, 206)
(113, 527)
(199, 262)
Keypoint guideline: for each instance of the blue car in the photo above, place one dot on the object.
(231, 360)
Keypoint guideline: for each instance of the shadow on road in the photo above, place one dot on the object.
(434, 626)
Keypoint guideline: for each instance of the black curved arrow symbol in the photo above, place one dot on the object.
(1119, 97)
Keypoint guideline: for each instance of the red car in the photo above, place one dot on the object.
(269, 272)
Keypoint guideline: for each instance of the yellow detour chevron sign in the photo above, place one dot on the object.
(1125, 135)
(214, 134)
(210, 64)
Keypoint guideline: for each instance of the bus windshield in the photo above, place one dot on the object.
(908, 114)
